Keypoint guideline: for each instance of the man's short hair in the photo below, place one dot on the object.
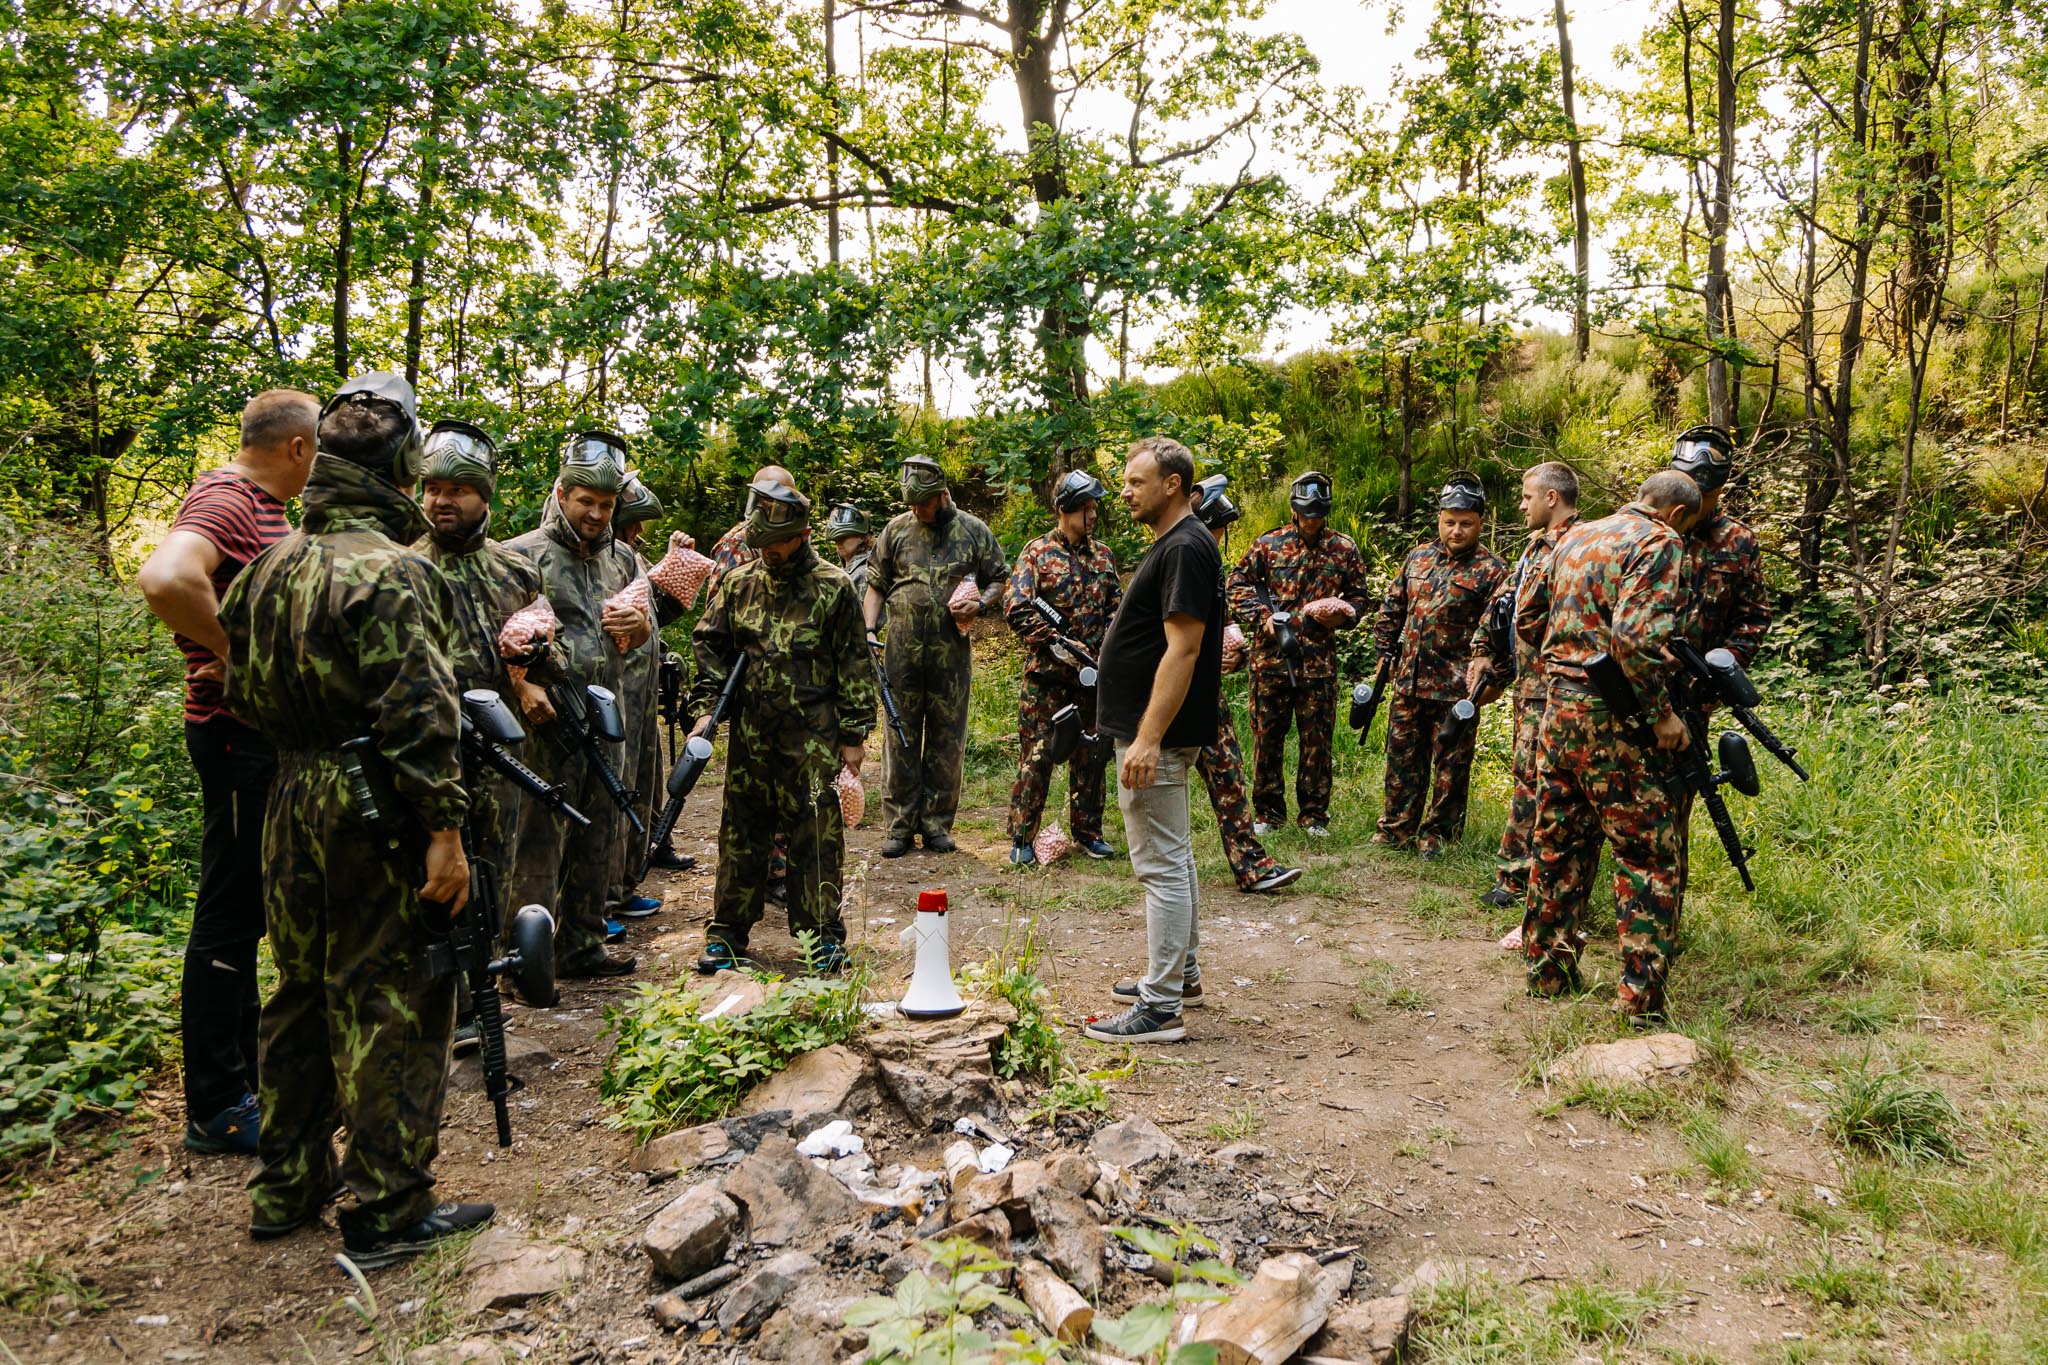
(1669, 488)
(365, 433)
(274, 416)
(1555, 476)
(1170, 455)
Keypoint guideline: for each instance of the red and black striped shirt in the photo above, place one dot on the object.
(241, 521)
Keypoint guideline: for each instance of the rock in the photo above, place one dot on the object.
(691, 1235)
(1072, 1172)
(673, 1153)
(990, 1229)
(468, 1351)
(942, 1045)
(807, 1329)
(762, 1292)
(524, 1057)
(505, 1270)
(1374, 1332)
(1266, 1321)
(673, 1312)
(1131, 1143)
(1238, 1153)
(929, 1098)
(899, 1267)
(1630, 1061)
(728, 995)
(784, 1195)
(979, 1194)
(815, 1088)
(1069, 1238)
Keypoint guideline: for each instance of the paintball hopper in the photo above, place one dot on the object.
(1457, 720)
(486, 710)
(604, 715)
(1361, 705)
(1066, 733)
(683, 777)
(1738, 765)
(932, 994)
(529, 964)
(1730, 681)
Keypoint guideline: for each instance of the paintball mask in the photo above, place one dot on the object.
(461, 452)
(847, 520)
(1706, 454)
(1213, 506)
(775, 513)
(594, 459)
(637, 503)
(1311, 494)
(1462, 492)
(1076, 489)
(402, 459)
(922, 478)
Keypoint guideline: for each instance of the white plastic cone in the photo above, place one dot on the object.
(932, 994)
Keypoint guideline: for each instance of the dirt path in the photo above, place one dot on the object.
(1374, 1042)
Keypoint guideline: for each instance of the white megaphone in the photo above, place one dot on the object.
(931, 994)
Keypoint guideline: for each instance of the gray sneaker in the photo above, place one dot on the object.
(1273, 881)
(1126, 990)
(1138, 1024)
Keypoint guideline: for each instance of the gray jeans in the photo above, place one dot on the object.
(1163, 857)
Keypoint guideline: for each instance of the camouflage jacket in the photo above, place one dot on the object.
(490, 583)
(1079, 582)
(1617, 586)
(728, 554)
(1527, 582)
(857, 569)
(1731, 602)
(810, 686)
(1293, 574)
(917, 567)
(578, 576)
(335, 632)
(1431, 610)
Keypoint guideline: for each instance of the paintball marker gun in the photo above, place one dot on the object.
(1066, 722)
(888, 697)
(669, 694)
(1366, 698)
(470, 948)
(592, 715)
(1082, 659)
(1464, 713)
(682, 778)
(1285, 639)
(1717, 676)
(1687, 765)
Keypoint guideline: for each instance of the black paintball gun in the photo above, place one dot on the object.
(1499, 626)
(888, 697)
(1285, 638)
(682, 778)
(592, 716)
(1717, 676)
(1066, 722)
(1687, 766)
(1366, 698)
(1082, 660)
(669, 700)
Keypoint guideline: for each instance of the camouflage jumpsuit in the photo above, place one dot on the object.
(809, 689)
(1222, 768)
(731, 552)
(1425, 625)
(640, 764)
(1617, 586)
(571, 869)
(1293, 571)
(857, 570)
(1527, 584)
(1079, 582)
(333, 634)
(916, 568)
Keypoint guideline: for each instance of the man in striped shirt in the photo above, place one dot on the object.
(231, 515)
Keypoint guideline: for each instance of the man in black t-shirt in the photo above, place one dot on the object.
(1161, 677)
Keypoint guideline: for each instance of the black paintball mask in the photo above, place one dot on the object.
(1706, 454)
(1213, 507)
(1311, 495)
(402, 459)
(1462, 492)
(1078, 488)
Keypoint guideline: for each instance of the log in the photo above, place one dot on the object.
(1061, 1310)
(1286, 1303)
(961, 1163)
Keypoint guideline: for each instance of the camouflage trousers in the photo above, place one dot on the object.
(1515, 854)
(1221, 765)
(930, 680)
(1310, 708)
(355, 1034)
(765, 791)
(1040, 698)
(1595, 785)
(1419, 767)
(640, 760)
(564, 866)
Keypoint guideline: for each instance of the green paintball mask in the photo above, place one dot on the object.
(594, 459)
(775, 514)
(637, 503)
(848, 520)
(461, 452)
(922, 478)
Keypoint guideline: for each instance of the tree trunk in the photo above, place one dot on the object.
(344, 242)
(416, 292)
(1582, 230)
(832, 148)
(1405, 498)
(1919, 155)
(1719, 300)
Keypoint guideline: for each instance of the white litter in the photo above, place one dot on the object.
(836, 1138)
(721, 1007)
(994, 1157)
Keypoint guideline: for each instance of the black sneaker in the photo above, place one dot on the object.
(718, 956)
(1500, 898)
(231, 1132)
(668, 859)
(895, 846)
(778, 889)
(1138, 1024)
(373, 1251)
(466, 1039)
(1126, 990)
(939, 843)
(1097, 848)
(1273, 881)
(594, 961)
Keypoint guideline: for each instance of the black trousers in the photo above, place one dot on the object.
(235, 765)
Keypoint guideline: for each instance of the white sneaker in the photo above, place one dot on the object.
(1316, 831)
(1261, 828)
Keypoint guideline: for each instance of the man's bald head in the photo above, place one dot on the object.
(1674, 498)
(774, 473)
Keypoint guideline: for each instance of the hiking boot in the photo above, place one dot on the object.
(1139, 1024)
(639, 907)
(1023, 855)
(1430, 851)
(231, 1132)
(1273, 881)
(1500, 898)
(669, 860)
(373, 1251)
(270, 1232)
(718, 956)
(466, 1039)
(895, 846)
(1126, 990)
(941, 842)
(1318, 830)
(594, 961)
(1395, 845)
(829, 958)
(1097, 848)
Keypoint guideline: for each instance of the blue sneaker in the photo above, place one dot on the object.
(639, 907)
(718, 957)
(1097, 848)
(613, 931)
(231, 1132)
(1023, 855)
(828, 958)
